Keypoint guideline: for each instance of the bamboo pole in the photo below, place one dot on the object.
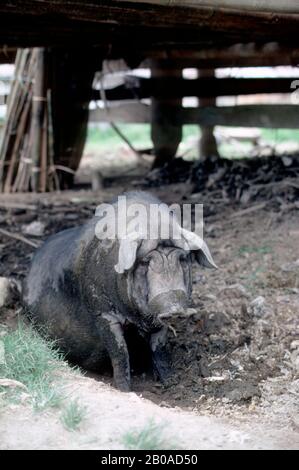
(16, 147)
(14, 122)
(38, 103)
(9, 121)
(44, 153)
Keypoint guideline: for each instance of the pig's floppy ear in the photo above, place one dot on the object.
(126, 255)
(202, 252)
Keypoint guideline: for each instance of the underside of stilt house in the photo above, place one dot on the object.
(59, 45)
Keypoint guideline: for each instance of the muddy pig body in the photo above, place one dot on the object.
(83, 289)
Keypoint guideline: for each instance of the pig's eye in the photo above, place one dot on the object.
(184, 258)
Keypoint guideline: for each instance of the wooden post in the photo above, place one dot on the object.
(166, 133)
(72, 75)
(207, 143)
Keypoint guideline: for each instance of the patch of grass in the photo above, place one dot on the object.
(280, 135)
(34, 362)
(72, 415)
(104, 137)
(148, 438)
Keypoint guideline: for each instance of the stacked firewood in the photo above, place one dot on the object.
(26, 151)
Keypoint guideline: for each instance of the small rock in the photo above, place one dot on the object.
(35, 229)
(4, 291)
(8, 292)
(294, 345)
(258, 307)
(243, 392)
(287, 161)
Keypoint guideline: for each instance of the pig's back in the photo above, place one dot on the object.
(52, 263)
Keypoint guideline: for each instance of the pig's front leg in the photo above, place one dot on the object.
(114, 341)
(160, 356)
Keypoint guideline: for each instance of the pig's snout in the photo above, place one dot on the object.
(169, 304)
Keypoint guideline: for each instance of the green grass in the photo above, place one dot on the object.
(104, 137)
(280, 135)
(33, 362)
(138, 134)
(148, 438)
(73, 415)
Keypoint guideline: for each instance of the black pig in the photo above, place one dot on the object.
(83, 288)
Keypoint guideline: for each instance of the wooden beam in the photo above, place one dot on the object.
(264, 116)
(288, 6)
(238, 55)
(117, 24)
(202, 87)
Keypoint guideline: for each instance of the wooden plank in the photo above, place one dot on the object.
(202, 87)
(264, 116)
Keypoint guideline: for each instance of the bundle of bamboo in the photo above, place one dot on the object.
(26, 151)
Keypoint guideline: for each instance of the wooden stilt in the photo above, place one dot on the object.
(72, 73)
(207, 142)
(166, 133)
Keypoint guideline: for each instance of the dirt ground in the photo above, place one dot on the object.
(236, 357)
